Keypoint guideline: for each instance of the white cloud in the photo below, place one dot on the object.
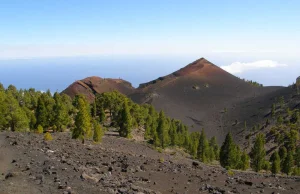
(239, 67)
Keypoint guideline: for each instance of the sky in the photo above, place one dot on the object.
(256, 40)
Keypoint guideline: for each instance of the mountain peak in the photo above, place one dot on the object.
(201, 64)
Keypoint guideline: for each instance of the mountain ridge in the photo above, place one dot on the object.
(90, 86)
(197, 94)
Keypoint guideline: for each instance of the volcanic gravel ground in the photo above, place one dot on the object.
(28, 164)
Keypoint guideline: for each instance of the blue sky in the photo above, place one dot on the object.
(171, 32)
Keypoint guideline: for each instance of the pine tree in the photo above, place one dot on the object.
(289, 112)
(3, 108)
(41, 113)
(266, 165)
(2, 89)
(194, 140)
(267, 123)
(258, 153)
(292, 139)
(31, 117)
(180, 132)
(275, 159)
(297, 157)
(162, 130)
(273, 111)
(173, 133)
(228, 152)
(215, 148)
(203, 148)
(94, 110)
(61, 112)
(13, 91)
(279, 120)
(148, 123)
(187, 140)
(288, 163)
(282, 155)
(16, 117)
(83, 126)
(156, 140)
(281, 101)
(245, 161)
(295, 117)
(125, 121)
(210, 154)
(102, 115)
(98, 132)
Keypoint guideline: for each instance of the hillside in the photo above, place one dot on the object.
(274, 115)
(93, 85)
(200, 95)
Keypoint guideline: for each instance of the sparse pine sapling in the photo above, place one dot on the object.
(48, 136)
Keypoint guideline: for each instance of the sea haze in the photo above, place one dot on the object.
(58, 73)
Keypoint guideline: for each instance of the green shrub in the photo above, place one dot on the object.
(48, 137)
(230, 173)
(40, 129)
(296, 171)
(267, 166)
(161, 160)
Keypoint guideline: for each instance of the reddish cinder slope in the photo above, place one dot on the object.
(198, 94)
(93, 85)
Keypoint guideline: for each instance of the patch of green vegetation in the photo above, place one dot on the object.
(161, 160)
(48, 136)
(40, 129)
(230, 172)
(253, 83)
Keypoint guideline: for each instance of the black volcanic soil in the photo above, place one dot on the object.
(30, 165)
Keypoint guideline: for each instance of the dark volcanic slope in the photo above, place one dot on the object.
(93, 85)
(198, 94)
